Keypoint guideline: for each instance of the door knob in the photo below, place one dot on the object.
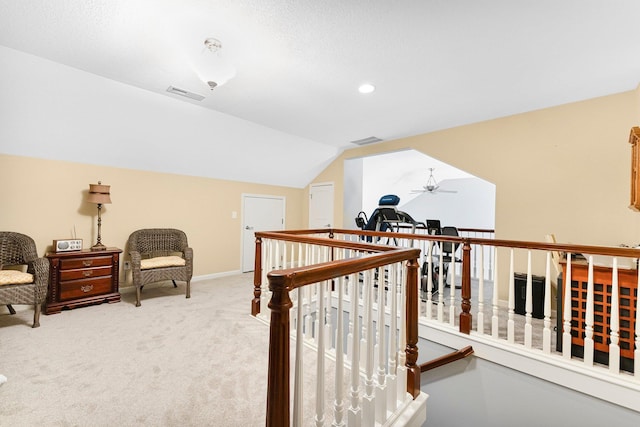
(248, 228)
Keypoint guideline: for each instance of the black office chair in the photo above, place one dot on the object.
(433, 226)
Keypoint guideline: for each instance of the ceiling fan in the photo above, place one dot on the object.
(432, 186)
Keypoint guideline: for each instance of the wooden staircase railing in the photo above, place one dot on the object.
(282, 282)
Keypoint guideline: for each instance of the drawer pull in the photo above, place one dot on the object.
(87, 273)
(87, 262)
(87, 288)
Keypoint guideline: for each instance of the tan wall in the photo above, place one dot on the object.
(46, 199)
(562, 170)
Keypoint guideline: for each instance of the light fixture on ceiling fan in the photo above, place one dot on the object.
(216, 70)
(432, 186)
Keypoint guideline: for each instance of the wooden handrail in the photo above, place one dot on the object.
(301, 276)
(447, 358)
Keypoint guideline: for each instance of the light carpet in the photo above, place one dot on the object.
(173, 361)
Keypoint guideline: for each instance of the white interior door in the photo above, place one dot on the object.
(321, 205)
(259, 213)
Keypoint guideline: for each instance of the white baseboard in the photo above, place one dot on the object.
(214, 275)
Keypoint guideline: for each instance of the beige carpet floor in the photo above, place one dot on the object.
(173, 361)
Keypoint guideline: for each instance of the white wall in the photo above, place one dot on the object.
(353, 202)
(472, 206)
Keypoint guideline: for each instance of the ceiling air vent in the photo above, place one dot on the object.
(182, 92)
(365, 141)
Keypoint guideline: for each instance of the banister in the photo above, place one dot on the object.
(376, 255)
(446, 359)
(281, 282)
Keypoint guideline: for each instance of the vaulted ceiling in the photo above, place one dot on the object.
(435, 63)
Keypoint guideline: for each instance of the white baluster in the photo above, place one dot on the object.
(367, 289)
(475, 257)
(491, 272)
(546, 332)
(480, 321)
(401, 371)
(588, 318)
(338, 404)
(452, 297)
(276, 263)
(528, 303)
(308, 291)
(510, 321)
(284, 255)
(429, 260)
(298, 389)
(440, 286)
(380, 392)
(265, 294)
(495, 331)
(614, 346)
(566, 312)
(393, 348)
(319, 417)
(368, 400)
(354, 413)
(328, 330)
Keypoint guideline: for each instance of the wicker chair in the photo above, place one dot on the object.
(160, 246)
(18, 250)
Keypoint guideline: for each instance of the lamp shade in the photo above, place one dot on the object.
(99, 193)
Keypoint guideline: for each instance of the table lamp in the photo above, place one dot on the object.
(99, 194)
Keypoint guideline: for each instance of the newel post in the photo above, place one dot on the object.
(465, 315)
(278, 374)
(257, 278)
(413, 370)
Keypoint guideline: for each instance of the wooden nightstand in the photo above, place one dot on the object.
(82, 278)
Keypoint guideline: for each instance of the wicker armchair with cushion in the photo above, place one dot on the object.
(16, 285)
(159, 254)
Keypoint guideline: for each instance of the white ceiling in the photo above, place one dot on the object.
(435, 63)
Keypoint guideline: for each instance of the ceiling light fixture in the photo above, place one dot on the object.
(432, 185)
(216, 70)
(366, 88)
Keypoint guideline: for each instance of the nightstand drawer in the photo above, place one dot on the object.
(86, 273)
(84, 288)
(88, 262)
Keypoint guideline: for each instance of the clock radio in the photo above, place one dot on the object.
(67, 245)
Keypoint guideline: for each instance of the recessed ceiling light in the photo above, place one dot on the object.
(366, 88)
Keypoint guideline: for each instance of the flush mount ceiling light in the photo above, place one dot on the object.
(215, 69)
(366, 88)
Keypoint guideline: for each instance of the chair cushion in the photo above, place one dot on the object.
(162, 261)
(15, 277)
